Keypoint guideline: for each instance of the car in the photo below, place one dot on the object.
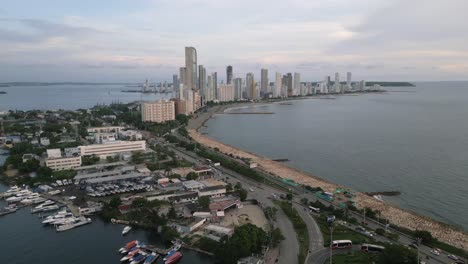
(360, 229)
(251, 189)
(450, 256)
(436, 251)
(414, 245)
(274, 195)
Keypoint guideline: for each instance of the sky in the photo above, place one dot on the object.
(133, 40)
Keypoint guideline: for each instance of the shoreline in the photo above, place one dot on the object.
(397, 216)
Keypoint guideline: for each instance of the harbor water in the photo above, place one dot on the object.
(413, 140)
(24, 240)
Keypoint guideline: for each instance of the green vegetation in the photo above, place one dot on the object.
(276, 237)
(247, 239)
(204, 202)
(397, 254)
(355, 258)
(89, 160)
(300, 228)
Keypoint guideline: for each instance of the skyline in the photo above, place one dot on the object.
(130, 41)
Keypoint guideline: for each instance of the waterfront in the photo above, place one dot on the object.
(68, 96)
(414, 142)
(23, 234)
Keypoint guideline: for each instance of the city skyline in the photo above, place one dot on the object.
(126, 42)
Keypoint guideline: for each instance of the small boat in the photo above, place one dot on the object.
(128, 246)
(50, 208)
(174, 258)
(151, 258)
(130, 255)
(126, 230)
(138, 258)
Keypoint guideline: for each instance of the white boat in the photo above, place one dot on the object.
(126, 230)
(50, 208)
(81, 221)
(51, 219)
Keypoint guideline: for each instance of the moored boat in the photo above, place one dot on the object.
(174, 258)
(128, 246)
(151, 258)
(138, 258)
(126, 230)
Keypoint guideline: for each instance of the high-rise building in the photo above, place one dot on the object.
(175, 86)
(362, 85)
(348, 80)
(202, 82)
(158, 111)
(209, 89)
(278, 85)
(337, 82)
(215, 84)
(288, 82)
(182, 76)
(250, 86)
(226, 92)
(229, 74)
(263, 82)
(297, 83)
(238, 89)
(191, 68)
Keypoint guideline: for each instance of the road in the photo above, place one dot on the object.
(316, 253)
(289, 247)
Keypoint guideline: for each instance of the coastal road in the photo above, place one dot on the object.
(289, 247)
(316, 254)
(315, 235)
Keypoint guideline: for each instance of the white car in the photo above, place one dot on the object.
(251, 189)
(436, 251)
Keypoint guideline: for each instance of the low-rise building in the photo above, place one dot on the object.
(130, 135)
(192, 185)
(57, 161)
(112, 148)
(106, 129)
(212, 191)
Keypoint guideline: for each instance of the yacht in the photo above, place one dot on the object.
(126, 230)
(174, 258)
(128, 246)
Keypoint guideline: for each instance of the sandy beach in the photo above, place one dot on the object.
(395, 215)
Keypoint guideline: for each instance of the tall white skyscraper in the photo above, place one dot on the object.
(202, 82)
(297, 83)
(264, 82)
(209, 89)
(337, 82)
(278, 85)
(191, 80)
(250, 86)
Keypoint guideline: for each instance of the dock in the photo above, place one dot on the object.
(280, 160)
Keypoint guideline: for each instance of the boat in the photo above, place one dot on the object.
(51, 219)
(81, 221)
(138, 258)
(172, 251)
(151, 258)
(8, 209)
(130, 255)
(50, 208)
(128, 246)
(174, 258)
(126, 230)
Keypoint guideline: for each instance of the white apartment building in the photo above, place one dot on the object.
(112, 148)
(226, 92)
(56, 161)
(106, 129)
(159, 111)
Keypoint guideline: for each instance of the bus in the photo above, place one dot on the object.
(337, 244)
(369, 248)
(315, 210)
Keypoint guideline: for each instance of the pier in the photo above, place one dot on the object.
(280, 160)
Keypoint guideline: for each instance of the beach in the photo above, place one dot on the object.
(395, 215)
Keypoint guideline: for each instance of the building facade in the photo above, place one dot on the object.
(191, 70)
(159, 111)
(263, 82)
(112, 148)
(229, 74)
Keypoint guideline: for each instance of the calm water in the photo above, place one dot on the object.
(69, 96)
(24, 240)
(415, 142)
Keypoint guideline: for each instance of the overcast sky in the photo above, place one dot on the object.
(131, 40)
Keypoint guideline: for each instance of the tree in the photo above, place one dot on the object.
(305, 201)
(228, 187)
(172, 213)
(242, 194)
(191, 176)
(238, 186)
(380, 231)
(397, 254)
(204, 202)
(426, 236)
(168, 234)
(276, 237)
(289, 196)
(115, 202)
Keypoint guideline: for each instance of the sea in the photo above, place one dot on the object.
(70, 96)
(409, 139)
(25, 240)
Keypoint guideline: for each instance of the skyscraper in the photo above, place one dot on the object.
(348, 80)
(263, 82)
(337, 82)
(278, 85)
(191, 68)
(297, 83)
(202, 82)
(250, 86)
(175, 85)
(229, 74)
(288, 82)
(237, 88)
(215, 84)
(209, 89)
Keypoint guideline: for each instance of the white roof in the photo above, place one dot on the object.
(218, 229)
(192, 184)
(54, 153)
